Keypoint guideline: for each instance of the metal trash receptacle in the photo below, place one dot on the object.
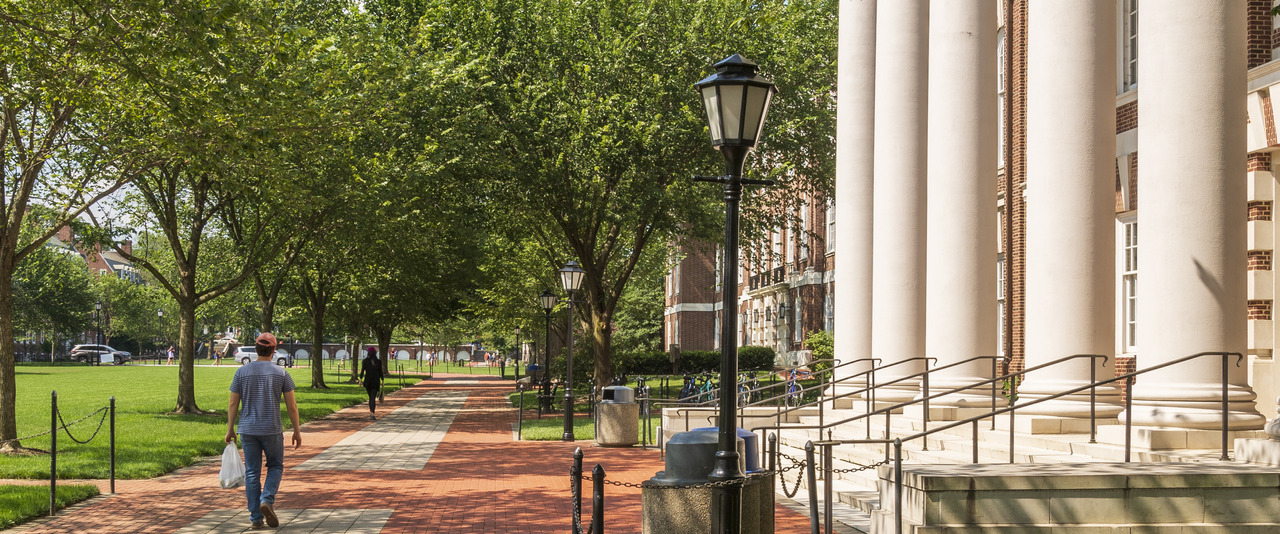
(618, 417)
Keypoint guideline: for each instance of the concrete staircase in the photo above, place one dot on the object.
(1037, 440)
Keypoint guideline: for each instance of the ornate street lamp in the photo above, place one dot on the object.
(571, 280)
(519, 350)
(736, 100)
(97, 317)
(160, 326)
(548, 301)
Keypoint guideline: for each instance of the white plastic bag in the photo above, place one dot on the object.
(232, 473)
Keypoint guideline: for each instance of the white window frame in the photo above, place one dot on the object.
(1127, 259)
(789, 236)
(1000, 300)
(796, 326)
(804, 230)
(1000, 93)
(1128, 28)
(829, 310)
(831, 225)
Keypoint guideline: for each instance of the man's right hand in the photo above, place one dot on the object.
(231, 436)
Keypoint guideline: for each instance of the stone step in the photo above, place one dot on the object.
(1107, 497)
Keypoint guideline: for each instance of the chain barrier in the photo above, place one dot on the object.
(64, 427)
(103, 411)
(861, 467)
(799, 476)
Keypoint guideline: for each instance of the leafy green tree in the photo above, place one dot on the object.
(591, 129)
(56, 83)
(51, 291)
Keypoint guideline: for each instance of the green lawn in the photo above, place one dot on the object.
(148, 442)
(19, 504)
(551, 428)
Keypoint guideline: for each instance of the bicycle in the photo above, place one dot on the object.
(707, 391)
(688, 391)
(793, 385)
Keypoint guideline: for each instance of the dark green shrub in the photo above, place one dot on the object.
(641, 363)
(755, 358)
(698, 361)
(822, 343)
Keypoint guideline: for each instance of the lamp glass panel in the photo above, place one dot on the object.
(731, 107)
(711, 101)
(764, 110)
(571, 278)
(757, 99)
(548, 300)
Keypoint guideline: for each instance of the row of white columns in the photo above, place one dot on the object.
(915, 193)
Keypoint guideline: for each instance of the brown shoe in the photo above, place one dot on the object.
(257, 525)
(269, 515)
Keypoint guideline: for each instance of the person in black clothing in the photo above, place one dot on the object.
(371, 373)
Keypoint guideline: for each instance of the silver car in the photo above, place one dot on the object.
(245, 354)
(99, 354)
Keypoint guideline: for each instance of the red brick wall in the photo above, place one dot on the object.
(1016, 165)
(1260, 210)
(1259, 260)
(1260, 310)
(1259, 161)
(1259, 33)
(1127, 117)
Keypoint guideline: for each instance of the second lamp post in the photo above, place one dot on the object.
(571, 279)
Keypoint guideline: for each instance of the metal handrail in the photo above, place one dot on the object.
(685, 407)
(888, 411)
(1011, 409)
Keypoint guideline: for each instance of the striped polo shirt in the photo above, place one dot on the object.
(260, 385)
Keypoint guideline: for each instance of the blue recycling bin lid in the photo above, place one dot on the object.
(752, 446)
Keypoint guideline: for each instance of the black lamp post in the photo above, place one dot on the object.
(571, 279)
(548, 301)
(736, 100)
(519, 350)
(160, 326)
(97, 318)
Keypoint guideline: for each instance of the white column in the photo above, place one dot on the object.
(961, 282)
(898, 252)
(1191, 214)
(855, 131)
(1070, 252)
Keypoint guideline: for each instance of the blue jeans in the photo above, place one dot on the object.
(256, 490)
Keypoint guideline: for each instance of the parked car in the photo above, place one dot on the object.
(99, 354)
(246, 354)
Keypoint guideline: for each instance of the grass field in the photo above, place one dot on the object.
(148, 441)
(19, 504)
(551, 428)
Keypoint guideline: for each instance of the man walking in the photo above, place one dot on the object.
(256, 391)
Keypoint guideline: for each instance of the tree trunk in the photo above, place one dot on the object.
(602, 343)
(186, 359)
(8, 384)
(384, 345)
(356, 356)
(317, 345)
(268, 314)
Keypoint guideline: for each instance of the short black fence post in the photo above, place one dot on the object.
(520, 418)
(53, 452)
(575, 485)
(813, 488)
(113, 444)
(597, 500)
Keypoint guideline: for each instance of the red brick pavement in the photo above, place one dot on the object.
(478, 480)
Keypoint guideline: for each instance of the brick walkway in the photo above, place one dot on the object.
(476, 477)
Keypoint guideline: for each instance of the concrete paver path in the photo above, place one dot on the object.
(440, 458)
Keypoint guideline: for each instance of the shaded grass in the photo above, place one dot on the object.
(149, 441)
(552, 428)
(19, 504)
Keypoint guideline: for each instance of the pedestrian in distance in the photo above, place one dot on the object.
(256, 391)
(371, 376)
(170, 355)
